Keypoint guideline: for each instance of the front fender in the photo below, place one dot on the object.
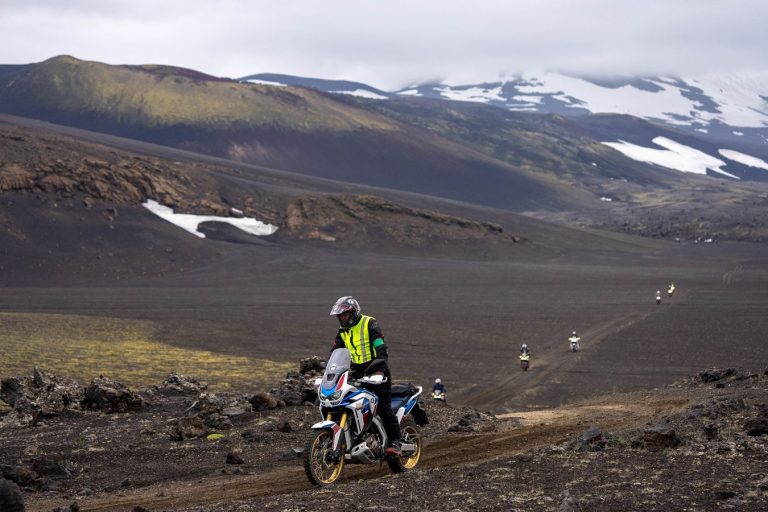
(324, 424)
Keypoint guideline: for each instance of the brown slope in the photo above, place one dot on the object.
(294, 129)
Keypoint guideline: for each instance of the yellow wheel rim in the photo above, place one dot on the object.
(326, 472)
(411, 436)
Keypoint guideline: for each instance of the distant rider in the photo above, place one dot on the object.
(658, 296)
(574, 340)
(362, 336)
(671, 288)
(438, 387)
(524, 350)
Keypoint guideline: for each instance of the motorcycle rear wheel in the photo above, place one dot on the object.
(319, 466)
(410, 434)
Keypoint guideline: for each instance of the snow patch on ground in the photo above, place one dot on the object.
(737, 100)
(621, 100)
(190, 222)
(265, 82)
(674, 156)
(476, 94)
(363, 94)
(744, 159)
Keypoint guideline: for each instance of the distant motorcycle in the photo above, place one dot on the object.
(658, 298)
(352, 432)
(439, 396)
(670, 290)
(525, 361)
(574, 340)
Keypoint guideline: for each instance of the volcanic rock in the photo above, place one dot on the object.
(188, 428)
(50, 467)
(590, 440)
(182, 384)
(264, 401)
(235, 457)
(11, 499)
(111, 396)
(20, 475)
(41, 395)
(715, 374)
(659, 437)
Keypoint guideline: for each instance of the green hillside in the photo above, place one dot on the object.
(157, 96)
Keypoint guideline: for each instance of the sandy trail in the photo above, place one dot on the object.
(547, 368)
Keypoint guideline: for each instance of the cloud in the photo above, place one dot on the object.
(393, 43)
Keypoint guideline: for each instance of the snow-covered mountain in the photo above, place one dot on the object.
(730, 106)
(719, 121)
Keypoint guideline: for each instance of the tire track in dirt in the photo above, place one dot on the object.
(728, 277)
(546, 368)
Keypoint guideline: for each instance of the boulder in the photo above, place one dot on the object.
(40, 396)
(757, 426)
(111, 396)
(209, 403)
(467, 423)
(11, 499)
(591, 439)
(283, 426)
(264, 401)
(660, 437)
(50, 467)
(234, 457)
(291, 391)
(311, 366)
(182, 384)
(715, 374)
(21, 476)
(188, 428)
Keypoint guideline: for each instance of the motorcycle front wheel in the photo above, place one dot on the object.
(320, 464)
(410, 434)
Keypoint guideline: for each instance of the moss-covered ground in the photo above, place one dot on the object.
(83, 347)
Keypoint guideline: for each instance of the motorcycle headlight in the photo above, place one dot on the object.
(332, 396)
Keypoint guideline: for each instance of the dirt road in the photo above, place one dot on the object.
(514, 433)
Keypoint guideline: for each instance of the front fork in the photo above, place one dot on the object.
(338, 432)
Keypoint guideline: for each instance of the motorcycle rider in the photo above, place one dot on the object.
(362, 336)
(658, 296)
(438, 387)
(574, 340)
(524, 350)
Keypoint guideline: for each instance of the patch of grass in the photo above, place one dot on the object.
(82, 348)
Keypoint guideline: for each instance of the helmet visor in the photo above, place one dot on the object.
(338, 309)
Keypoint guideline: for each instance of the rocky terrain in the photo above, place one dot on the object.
(72, 197)
(699, 444)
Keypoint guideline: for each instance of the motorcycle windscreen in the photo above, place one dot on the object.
(336, 366)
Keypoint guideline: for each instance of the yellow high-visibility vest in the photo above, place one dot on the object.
(358, 342)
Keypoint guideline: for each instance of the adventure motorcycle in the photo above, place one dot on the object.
(439, 396)
(351, 431)
(670, 290)
(525, 361)
(658, 299)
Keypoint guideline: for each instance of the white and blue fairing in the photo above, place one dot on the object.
(338, 363)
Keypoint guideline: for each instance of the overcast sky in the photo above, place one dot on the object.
(393, 43)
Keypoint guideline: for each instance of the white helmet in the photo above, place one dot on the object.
(574, 333)
(524, 346)
(437, 381)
